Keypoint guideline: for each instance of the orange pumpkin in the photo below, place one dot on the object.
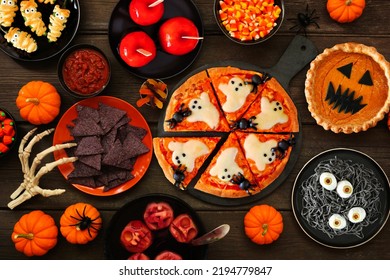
(345, 10)
(35, 233)
(80, 223)
(263, 224)
(38, 102)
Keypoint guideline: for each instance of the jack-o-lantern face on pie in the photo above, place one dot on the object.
(347, 88)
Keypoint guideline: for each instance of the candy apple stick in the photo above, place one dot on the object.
(192, 37)
(154, 4)
(144, 52)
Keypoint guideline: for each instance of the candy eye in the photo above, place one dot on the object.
(11, 3)
(356, 215)
(27, 11)
(61, 17)
(344, 189)
(3, 2)
(337, 221)
(328, 181)
(57, 14)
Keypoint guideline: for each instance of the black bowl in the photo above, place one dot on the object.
(278, 22)
(70, 52)
(7, 115)
(162, 239)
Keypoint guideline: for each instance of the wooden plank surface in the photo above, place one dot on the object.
(293, 244)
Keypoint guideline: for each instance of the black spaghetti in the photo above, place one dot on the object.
(319, 204)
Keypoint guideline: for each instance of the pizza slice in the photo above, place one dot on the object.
(267, 154)
(228, 175)
(180, 158)
(194, 107)
(236, 89)
(272, 111)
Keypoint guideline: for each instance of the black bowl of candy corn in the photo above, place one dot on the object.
(7, 132)
(249, 22)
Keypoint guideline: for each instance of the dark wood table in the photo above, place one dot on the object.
(371, 29)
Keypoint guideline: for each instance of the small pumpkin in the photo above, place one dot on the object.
(38, 102)
(345, 10)
(80, 223)
(263, 224)
(35, 233)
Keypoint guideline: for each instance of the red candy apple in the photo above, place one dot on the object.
(178, 35)
(137, 49)
(158, 215)
(168, 255)
(146, 12)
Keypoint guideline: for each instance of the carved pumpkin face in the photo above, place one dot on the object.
(348, 89)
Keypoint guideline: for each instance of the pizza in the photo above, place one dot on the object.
(236, 89)
(237, 145)
(181, 157)
(266, 154)
(271, 111)
(228, 172)
(194, 107)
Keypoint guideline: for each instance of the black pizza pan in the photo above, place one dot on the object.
(300, 52)
(344, 241)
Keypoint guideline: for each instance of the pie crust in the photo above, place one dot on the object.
(347, 88)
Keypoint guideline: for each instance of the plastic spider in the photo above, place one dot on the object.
(178, 116)
(283, 146)
(303, 20)
(85, 222)
(179, 176)
(244, 124)
(242, 182)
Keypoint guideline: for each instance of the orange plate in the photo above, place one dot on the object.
(62, 135)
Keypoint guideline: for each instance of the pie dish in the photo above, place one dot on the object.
(347, 88)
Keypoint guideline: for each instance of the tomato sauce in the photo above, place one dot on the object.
(85, 71)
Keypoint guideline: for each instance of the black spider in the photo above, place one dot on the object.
(179, 176)
(178, 116)
(242, 182)
(282, 147)
(244, 124)
(85, 222)
(303, 20)
(259, 80)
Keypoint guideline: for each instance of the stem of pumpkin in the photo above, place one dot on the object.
(265, 229)
(348, 2)
(34, 100)
(29, 236)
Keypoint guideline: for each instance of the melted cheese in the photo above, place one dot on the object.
(271, 114)
(185, 154)
(226, 165)
(260, 152)
(202, 110)
(236, 92)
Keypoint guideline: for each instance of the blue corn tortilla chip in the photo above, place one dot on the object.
(85, 127)
(89, 145)
(83, 170)
(94, 161)
(85, 112)
(109, 116)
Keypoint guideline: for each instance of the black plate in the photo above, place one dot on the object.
(45, 49)
(346, 240)
(164, 65)
(163, 239)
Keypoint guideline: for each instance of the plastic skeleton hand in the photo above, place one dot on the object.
(29, 187)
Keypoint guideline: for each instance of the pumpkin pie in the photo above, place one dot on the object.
(347, 88)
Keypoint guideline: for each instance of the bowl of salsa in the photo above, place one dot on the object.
(84, 71)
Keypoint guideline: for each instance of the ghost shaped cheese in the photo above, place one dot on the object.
(185, 154)
(260, 152)
(236, 92)
(271, 114)
(226, 165)
(202, 110)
